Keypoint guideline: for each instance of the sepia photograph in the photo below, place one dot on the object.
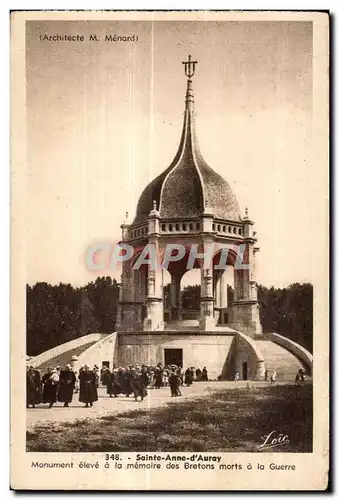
(174, 220)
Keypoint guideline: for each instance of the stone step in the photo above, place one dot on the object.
(65, 358)
(279, 359)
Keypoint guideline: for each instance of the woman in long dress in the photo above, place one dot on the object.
(51, 385)
(174, 382)
(88, 390)
(33, 387)
(189, 376)
(66, 387)
(158, 378)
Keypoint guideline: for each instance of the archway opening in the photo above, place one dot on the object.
(223, 288)
(182, 272)
(190, 291)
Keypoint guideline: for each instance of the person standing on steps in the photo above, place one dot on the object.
(273, 376)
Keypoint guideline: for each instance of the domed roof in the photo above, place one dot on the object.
(188, 187)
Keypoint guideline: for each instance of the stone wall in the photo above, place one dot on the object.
(99, 352)
(199, 350)
(247, 352)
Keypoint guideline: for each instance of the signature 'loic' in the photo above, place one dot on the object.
(273, 439)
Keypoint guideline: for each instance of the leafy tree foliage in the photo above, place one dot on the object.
(288, 311)
(190, 297)
(57, 314)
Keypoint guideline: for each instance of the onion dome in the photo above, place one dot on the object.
(188, 187)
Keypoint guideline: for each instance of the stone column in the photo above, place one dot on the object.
(223, 299)
(207, 320)
(126, 308)
(245, 307)
(154, 302)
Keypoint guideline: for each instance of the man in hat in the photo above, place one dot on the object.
(66, 385)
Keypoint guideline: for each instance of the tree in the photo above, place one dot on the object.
(57, 314)
(288, 311)
(190, 297)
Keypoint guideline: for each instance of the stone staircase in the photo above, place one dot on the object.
(280, 359)
(64, 358)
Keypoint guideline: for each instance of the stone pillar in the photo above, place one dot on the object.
(207, 320)
(220, 296)
(260, 370)
(207, 219)
(154, 302)
(245, 307)
(127, 314)
(217, 289)
(223, 299)
(223, 291)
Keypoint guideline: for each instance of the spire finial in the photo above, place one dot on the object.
(246, 212)
(154, 205)
(189, 67)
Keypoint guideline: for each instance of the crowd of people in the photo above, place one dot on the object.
(60, 384)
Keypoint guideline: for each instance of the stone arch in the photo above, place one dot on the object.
(177, 269)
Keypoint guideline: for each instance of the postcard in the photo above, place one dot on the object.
(170, 250)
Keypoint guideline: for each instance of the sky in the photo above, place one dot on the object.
(105, 118)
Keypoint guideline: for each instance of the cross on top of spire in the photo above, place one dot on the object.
(189, 67)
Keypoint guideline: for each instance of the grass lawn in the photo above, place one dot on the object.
(230, 421)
